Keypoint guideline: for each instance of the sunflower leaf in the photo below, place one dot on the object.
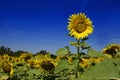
(84, 45)
(74, 43)
(104, 70)
(4, 77)
(116, 61)
(84, 78)
(62, 65)
(62, 52)
(75, 62)
(67, 48)
(94, 53)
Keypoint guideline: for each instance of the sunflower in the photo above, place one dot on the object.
(112, 49)
(6, 67)
(25, 56)
(47, 66)
(79, 26)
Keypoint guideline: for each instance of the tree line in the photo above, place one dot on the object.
(7, 50)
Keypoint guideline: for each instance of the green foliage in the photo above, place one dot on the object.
(67, 48)
(94, 53)
(74, 63)
(74, 44)
(105, 70)
(83, 45)
(4, 77)
(63, 65)
(26, 73)
(18, 53)
(116, 61)
(62, 51)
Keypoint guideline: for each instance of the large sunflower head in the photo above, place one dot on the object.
(111, 49)
(79, 26)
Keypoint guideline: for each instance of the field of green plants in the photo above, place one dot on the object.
(85, 64)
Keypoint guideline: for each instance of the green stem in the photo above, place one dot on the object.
(78, 48)
(78, 56)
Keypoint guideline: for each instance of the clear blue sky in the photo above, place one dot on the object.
(34, 25)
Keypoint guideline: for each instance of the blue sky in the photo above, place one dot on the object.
(34, 25)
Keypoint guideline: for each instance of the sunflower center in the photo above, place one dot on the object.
(47, 65)
(80, 28)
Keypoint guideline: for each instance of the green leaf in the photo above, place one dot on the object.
(74, 43)
(62, 65)
(62, 52)
(93, 53)
(34, 73)
(85, 46)
(84, 78)
(75, 62)
(4, 77)
(67, 48)
(82, 43)
(104, 70)
(116, 61)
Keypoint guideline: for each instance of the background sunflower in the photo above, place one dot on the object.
(112, 49)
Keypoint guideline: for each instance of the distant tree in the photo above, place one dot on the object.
(2, 50)
(42, 52)
(19, 52)
(53, 56)
(5, 50)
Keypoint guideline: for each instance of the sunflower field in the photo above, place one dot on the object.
(85, 64)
